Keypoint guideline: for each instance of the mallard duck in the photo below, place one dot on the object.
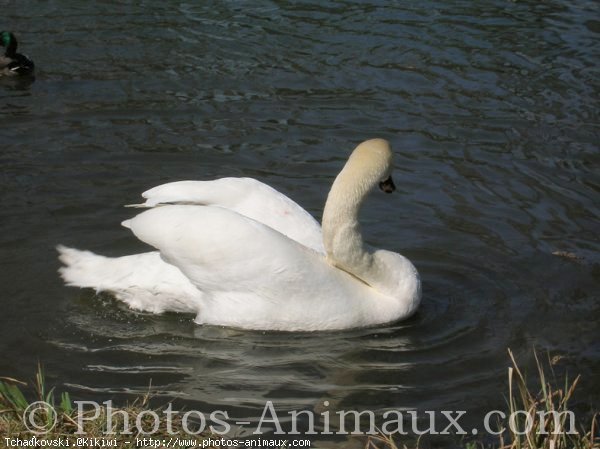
(13, 63)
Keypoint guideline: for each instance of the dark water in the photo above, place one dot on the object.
(492, 110)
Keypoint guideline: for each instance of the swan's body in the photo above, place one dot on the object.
(238, 253)
(13, 63)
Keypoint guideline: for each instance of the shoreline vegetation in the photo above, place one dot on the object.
(542, 406)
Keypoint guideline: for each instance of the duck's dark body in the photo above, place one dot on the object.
(13, 63)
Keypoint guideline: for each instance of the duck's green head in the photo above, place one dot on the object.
(8, 40)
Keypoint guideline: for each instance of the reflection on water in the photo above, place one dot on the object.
(492, 112)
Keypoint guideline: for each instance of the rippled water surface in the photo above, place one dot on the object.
(492, 111)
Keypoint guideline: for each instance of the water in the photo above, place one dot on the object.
(492, 110)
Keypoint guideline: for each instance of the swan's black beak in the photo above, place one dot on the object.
(388, 185)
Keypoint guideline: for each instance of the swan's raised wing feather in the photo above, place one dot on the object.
(213, 246)
(247, 197)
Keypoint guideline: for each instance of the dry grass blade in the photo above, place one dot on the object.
(538, 417)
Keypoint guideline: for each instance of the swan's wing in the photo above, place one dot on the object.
(218, 249)
(247, 197)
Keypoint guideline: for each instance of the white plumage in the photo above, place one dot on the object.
(238, 253)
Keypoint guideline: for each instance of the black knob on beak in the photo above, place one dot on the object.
(388, 185)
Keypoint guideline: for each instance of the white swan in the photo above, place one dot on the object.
(238, 253)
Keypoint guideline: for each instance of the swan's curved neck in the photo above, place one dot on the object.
(341, 231)
(388, 273)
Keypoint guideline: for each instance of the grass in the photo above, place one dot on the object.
(64, 420)
(540, 419)
(544, 408)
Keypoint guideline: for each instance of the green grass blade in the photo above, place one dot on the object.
(66, 406)
(13, 398)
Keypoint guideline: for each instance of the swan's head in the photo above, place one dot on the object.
(371, 161)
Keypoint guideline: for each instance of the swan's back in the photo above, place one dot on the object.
(260, 279)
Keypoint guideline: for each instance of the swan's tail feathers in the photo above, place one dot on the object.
(143, 281)
(81, 268)
(126, 224)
